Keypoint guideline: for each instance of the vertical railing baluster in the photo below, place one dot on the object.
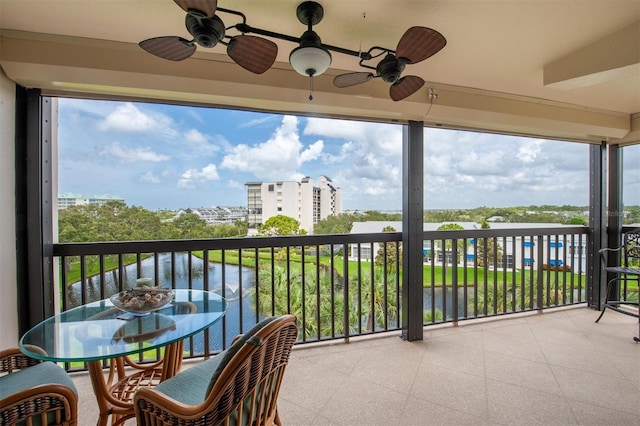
(345, 289)
(475, 277)
(513, 275)
(273, 284)
(540, 280)
(240, 289)
(465, 280)
(122, 269)
(62, 264)
(223, 293)
(372, 278)
(454, 284)
(102, 276)
(359, 296)
(318, 293)
(332, 294)
(256, 277)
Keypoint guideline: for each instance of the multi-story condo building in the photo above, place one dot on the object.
(300, 200)
(70, 200)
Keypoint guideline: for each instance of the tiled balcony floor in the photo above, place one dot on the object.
(556, 368)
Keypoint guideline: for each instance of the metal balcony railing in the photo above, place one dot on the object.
(339, 286)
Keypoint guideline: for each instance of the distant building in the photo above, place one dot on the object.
(303, 201)
(217, 215)
(521, 252)
(69, 200)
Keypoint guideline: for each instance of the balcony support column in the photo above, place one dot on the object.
(412, 230)
(34, 225)
(597, 224)
(615, 214)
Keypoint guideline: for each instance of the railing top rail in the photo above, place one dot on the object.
(156, 246)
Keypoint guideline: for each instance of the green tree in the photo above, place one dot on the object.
(190, 226)
(281, 225)
(579, 220)
(280, 291)
(448, 243)
(391, 253)
(488, 253)
(368, 296)
(334, 224)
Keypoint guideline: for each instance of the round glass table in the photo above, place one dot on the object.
(99, 331)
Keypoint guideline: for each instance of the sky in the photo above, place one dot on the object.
(171, 157)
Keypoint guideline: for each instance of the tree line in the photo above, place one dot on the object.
(115, 221)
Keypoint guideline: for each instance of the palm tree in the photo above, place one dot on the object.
(377, 299)
(277, 294)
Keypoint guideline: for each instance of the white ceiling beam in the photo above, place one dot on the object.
(615, 57)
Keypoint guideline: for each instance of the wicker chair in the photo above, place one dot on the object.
(239, 386)
(33, 392)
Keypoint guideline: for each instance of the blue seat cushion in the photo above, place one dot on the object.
(39, 374)
(45, 373)
(192, 386)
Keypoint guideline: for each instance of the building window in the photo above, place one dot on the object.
(506, 261)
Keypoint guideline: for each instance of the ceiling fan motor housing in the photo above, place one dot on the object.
(310, 12)
(390, 68)
(207, 32)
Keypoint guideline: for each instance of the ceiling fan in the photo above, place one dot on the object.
(311, 58)
(255, 54)
(416, 45)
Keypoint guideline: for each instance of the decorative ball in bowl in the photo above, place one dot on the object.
(142, 300)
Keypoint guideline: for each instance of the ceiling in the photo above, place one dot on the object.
(554, 68)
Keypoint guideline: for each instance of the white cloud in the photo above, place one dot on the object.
(279, 158)
(133, 155)
(191, 177)
(235, 185)
(313, 152)
(196, 143)
(368, 161)
(527, 152)
(149, 177)
(130, 118)
(195, 137)
(258, 121)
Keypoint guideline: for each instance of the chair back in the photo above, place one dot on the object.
(631, 248)
(244, 387)
(248, 386)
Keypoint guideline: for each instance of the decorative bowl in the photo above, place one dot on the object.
(141, 300)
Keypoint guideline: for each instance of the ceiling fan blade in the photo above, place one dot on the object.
(255, 54)
(208, 7)
(173, 48)
(351, 79)
(404, 87)
(419, 43)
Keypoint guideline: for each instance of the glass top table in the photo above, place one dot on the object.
(100, 331)
(96, 332)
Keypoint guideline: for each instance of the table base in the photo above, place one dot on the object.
(115, 393)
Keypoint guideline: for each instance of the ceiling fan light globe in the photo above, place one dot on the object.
(310, 61)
